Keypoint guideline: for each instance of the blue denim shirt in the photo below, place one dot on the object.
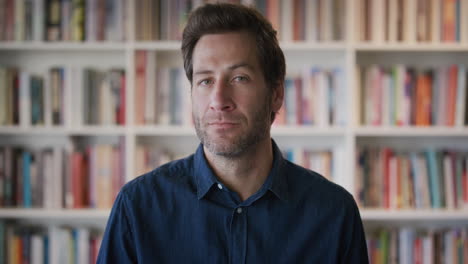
(181, 213)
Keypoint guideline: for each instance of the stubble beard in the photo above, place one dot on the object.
(242, 142)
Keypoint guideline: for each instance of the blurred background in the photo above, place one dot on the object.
(93, 94)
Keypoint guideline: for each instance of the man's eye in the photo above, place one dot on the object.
(204, 82)
(240, 79)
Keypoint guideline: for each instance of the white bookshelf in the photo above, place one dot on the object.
(342, 140)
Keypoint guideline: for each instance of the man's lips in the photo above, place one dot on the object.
(223, 124)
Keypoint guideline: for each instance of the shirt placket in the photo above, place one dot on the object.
(238, 235)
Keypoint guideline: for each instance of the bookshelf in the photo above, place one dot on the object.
(347, 54)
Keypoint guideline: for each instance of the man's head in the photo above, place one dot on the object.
(236, 68)
(223, 18)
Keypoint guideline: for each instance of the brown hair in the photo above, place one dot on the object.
(224, 17)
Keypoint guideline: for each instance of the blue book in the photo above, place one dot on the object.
(433, 171)
(27, 202)
(290, 101)
(46, 249)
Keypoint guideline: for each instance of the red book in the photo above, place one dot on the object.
(448, 20)
(417, 251)
(387, 153)
(140, 76)
(298, 87)
(451, 95)
(77, 179)
(123, 106)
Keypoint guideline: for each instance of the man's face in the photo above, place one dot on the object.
(230, 99)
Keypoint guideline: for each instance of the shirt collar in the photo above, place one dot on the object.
(276, 181)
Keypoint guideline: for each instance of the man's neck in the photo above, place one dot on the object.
(246, 173)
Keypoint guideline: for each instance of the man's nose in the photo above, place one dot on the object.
(221, 97)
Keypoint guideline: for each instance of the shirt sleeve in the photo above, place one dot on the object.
(355, 247)
(117, 245)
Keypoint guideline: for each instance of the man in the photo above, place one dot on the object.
(236, 200)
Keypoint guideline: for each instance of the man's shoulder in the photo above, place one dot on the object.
(306, 183)
(177, 171)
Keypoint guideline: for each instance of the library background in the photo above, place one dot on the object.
(93, 94)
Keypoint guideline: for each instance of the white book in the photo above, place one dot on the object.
(436, 20)
(164, 96)
(311, 20)
(378, 21)
(150, 86)
(47, 100)
(119, 7)
(25, 99)
(461, 96)
(105, 104)
(58, 177)
(91, 20)
(392, 21)
(326, 30)
(428, 247)
(54, 245)
(286, 27)
(186, 100)
(358, 92)
(66, 97)
(406, 245)
(76, 93)
(417, 187)
(409, 21)
(386, 94)
(449, 184)
(82, 253)
(449, 246)
(400, 93)
(322, 99)
(298, 156)
(341, 100)
(37, 249)
(38, 20)
(306, 95)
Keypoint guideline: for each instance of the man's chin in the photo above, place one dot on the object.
(224, 147)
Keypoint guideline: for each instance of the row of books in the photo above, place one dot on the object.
(414, 245)
(31, 99)
(299, 20)
(318, 161)
(393, 179)
(52, 245)
(162, 94)
(103, 97)
(41, 99)
(59, 178)
(412, 20)
(403, 95)
(316, 97)
(63, 20)
(148, 158)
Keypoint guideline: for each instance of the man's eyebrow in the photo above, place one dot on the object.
(232, 67)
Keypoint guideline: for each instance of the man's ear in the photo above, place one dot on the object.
(278, 97)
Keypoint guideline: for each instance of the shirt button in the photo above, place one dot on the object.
(239, 210)
(220, 186)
